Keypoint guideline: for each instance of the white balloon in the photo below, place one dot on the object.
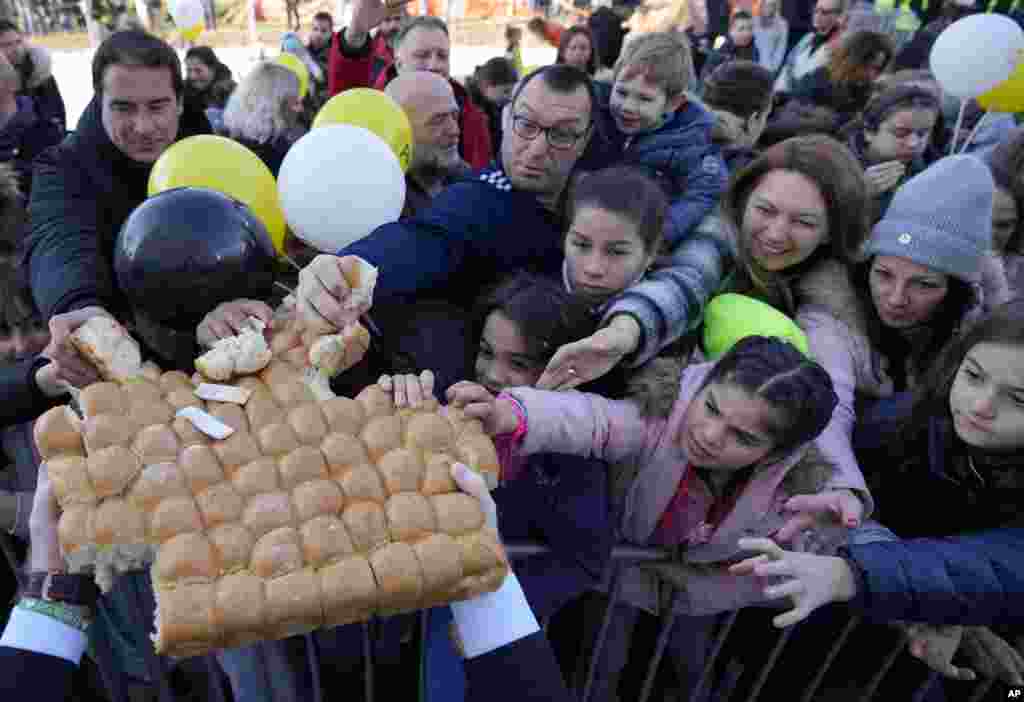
(976, 53)
(337, 184)
(187, 13)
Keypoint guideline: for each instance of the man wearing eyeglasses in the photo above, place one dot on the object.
(507, 218)
(815, 49)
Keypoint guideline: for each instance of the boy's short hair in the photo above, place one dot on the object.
(663, 58)
(741, 15)
(324, 17)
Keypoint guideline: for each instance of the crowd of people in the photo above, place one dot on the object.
(565, 231)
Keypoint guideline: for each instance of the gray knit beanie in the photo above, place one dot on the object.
(940, 218)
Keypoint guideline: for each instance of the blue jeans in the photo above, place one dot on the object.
(270, 671)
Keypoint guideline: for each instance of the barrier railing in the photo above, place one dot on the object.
(623, 558)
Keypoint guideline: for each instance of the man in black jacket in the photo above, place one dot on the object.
(85, 188)
(34, 66)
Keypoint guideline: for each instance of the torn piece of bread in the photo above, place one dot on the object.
(362, 279)
(243, 354)
(338, 352)
(109, 347)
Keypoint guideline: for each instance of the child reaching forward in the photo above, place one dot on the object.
(721, 466)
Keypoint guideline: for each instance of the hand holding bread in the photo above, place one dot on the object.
(498, 416)
(334, 292)
(230, 319)
(76, 369)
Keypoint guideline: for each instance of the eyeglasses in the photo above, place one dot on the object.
(558, 138)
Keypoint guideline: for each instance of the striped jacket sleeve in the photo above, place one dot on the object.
(669, 301)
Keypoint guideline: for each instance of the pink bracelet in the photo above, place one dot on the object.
(522, 426)
(506, 444)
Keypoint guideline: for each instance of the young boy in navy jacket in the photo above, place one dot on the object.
(648, 121)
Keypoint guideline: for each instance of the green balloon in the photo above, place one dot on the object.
(731, 317)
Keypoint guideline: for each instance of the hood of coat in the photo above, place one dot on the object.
(41, 67)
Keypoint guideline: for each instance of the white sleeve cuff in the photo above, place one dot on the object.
(31, 631)
(495, 619)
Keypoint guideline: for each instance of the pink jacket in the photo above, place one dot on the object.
(616, 431)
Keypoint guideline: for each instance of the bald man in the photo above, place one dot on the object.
(429, 102)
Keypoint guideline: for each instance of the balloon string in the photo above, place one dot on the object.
(284, 287)
(974, 132)
(290, 260)
(959, 123)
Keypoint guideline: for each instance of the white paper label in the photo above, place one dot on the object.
(206, 423)
(223, 393)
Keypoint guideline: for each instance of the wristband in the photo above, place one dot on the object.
(523, 425)
(74, 617)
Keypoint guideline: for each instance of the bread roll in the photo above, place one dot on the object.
(440, 560)
(106, 345)
(477, 452)
(232, 415)
(184, 620)
(277, 440)
(382, 434)
(139, 391)
(302, 464)
(241, 354)
(155, 483)
(363, 484)
(186, 559)
(277, 553)
(366, 525)
(362, 279)
(344, 415)
(266, 512)
(240, 609)
(430, 432)
(174, 380)
(69, 475)
(376, 402)
(402, 470)
(173, 516)
(102, 398)
(219, 504)
(74, 530)
(180, 398)
(257, 477)
(349, 591)
(342, 452)
(236, 450)
(410, 517)
(233, 544)
(307, 421)
(201, 467)
(324, 539)
(399, 579)
(262, 409)
(148, 412)
(116, 521)
(292, 393)
(438, 477)
(156, 444)
(151, 371)
(58, 431)
(457, 513)
(112, 469)
(187, 433)
(293, 603)
(316, 497)
(335, 353)
(105, 430)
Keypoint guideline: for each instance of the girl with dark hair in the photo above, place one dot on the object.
(1007, 165)
(208, 82)
(739, 95)
(844, 84)
(891, 138)
(576, 48)
(724, 463)
(491, 86)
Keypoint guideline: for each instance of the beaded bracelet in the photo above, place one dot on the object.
(74, 617)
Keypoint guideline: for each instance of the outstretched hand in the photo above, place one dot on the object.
(591, 358)
(497, 416)
(833, 507)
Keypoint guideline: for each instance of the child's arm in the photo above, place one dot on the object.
(670, 301)
(697, 164)
(575, 423)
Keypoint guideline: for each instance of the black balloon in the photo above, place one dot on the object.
(184, 251)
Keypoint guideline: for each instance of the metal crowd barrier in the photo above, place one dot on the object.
(623, 557)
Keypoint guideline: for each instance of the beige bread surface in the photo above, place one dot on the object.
(109, 347)
(311, 514)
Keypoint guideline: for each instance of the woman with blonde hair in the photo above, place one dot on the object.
(263, 113)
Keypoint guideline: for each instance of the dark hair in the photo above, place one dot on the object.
(775, 371)
(895, 99)
(567, 36)
(739, 87)
(856, 53)
(496, 71)
(13, 216)
(135, 48)
(1006, 162)
(324, 17)
(834, 169)
(547, 316)
(7, 25)
(417, 22)
(1004, 325)
(204, 54)
(893, 345)
(628, 192)
(562, 79)
(740, 15)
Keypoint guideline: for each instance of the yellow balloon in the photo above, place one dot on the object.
(220, 164)
(373, 110)
(192, 33)
(1008, 96)
(296, 66)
